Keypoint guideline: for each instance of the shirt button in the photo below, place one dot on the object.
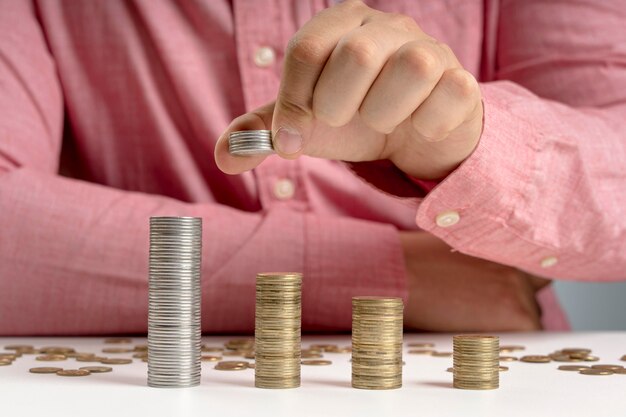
(549, 261)
(447, 218)
(284, 189)
(264, 56)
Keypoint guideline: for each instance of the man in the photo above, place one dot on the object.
(138, 91)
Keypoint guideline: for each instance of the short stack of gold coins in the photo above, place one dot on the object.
(476, 362)
(377, 342)
(277, 330)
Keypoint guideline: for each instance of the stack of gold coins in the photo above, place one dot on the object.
(476, 364)
(277, 330)
(377, 342)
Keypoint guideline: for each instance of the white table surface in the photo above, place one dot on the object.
(525, 390)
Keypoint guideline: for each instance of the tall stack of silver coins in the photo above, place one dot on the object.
(250, 142)
(174, 302)
(277, 330)
(476, 362)
(377, 342)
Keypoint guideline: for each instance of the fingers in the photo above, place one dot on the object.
(306, 56)
(353, 66)
(404, 83)
(260, 119)
(454, 100)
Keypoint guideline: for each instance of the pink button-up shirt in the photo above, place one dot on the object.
(110, 110)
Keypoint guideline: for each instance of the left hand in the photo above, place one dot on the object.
(358, 85)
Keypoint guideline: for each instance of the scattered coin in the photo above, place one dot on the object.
(450, 370)
(620, 371)
(80, 355)
(73, 372)
(252, 365)
(115, 361)
(116, 340)
(608, 367)
(316, 362)
(10, 356)
(140, 355)
(210, 358)
(5, 362)
(210, 349)
(421, 345)
(503, 368)
(596, 372)
(56, 350)
(141, 348)
(345, 349)
(507, 358)
(51, 358)
(19, 347)
(572, 367)
(590, 358)
(421, 351)
(623, 358)
(97, 369)
(311, 355)
(535, 359)
(511, 348)
(117, 350)
(442, 354)
(45, 370)
(324, 348)
(231, 365)
(576, 350)
(239, 344)
(90, 358)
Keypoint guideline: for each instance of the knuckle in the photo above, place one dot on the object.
(422, 61)
(373, 121)
(402, 22)
(353, 5)
(288, 105)
(307, 50)
(432, 132)
(360, 49)
(462, 83)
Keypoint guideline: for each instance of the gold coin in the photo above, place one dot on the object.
(97, 369)
(503, 368)
(116, 340)
(511, 348)
(450, 370)
(316, 362)
(80, 355)
(73, 372)
(210, 349)
(596, 372)
(572, 367)
(117, 350)
(140, 355)
(421, 345)
(11, 356)
(141, 348)
(45, 370)
(507, 358)
(89, 358)
(421, 351)
(5, 362)
(311, 355)
(239, 344)
(56, 350)
(620, 371)
(116, 361)
(623, 358)
(19, 347)
(608, 367)
(51, 358)
(231, 365)
(535, 359)
(345, 349)
(442, 354)
(210, 358)
(252, 365)
(324, 348)
(576, 350)
(590, 358)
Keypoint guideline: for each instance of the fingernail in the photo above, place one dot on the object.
(287, 141)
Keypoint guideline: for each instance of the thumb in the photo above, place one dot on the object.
(291, 125)
(259, 119)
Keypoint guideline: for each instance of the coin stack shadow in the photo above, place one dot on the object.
(250, 142)
(277, 330)
(476, 362)
(377, 342)
(174, 330)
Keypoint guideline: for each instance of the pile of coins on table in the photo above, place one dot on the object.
(277, 330)
(250, 142)
(476, 362)
(377, 342)
(174, 302)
